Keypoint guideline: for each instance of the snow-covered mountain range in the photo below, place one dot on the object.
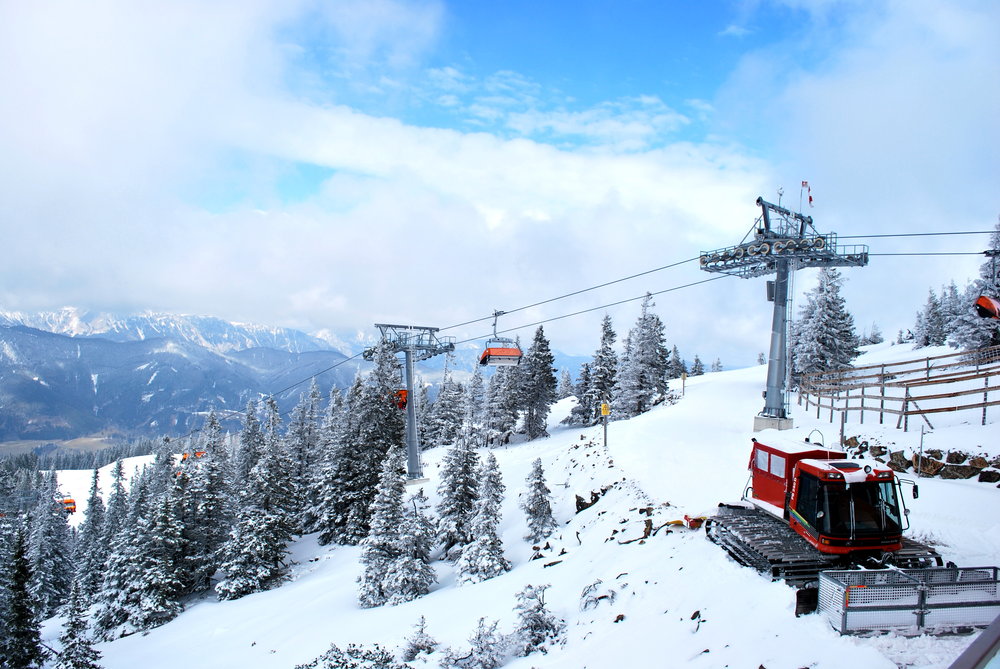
(71, 373)
(208, 332)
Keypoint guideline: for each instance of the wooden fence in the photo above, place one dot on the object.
(938, 384)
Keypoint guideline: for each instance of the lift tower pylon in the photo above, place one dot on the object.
(782, 241)
(416, 343)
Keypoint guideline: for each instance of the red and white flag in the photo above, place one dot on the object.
(805, 185)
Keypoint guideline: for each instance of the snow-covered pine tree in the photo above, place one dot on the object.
(49, 550)
(206, 508)
(446, 413)
(412, 575)
(931, 327)
(473, 402)
(566, 388)
(376, 427)
(643, 371)
(78, 650)
(676, 366)
(537, 628)
(761, 358)
(248, 448)
(970, 332)
(91, 550)
(583, 412)
(381, 548)
(418, 642)
(484, 558)
(330, 441)
(536, 504)
(500, 412)
(303, 450)
(488, 649)
(717, 365)
(604, 370)
(117, 507)
(158, 588)
(254, 554)
(119, 599)
(458, 490)
(21, 644)
(697, 367)
(538, 385)
(823, 337)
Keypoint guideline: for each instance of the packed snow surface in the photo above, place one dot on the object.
(672, 599)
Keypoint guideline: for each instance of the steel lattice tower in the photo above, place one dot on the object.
(782, 241)
(415, 343)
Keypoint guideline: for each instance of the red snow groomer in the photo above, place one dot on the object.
(809, 508)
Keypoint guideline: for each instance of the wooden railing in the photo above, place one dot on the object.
(919, 387)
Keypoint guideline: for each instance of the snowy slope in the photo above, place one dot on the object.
(673, 599)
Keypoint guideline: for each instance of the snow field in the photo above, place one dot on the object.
(678, 600)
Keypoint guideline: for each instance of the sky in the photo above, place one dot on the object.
(335, 164)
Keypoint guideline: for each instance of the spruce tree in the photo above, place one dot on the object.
(419, 642)
(381, 548)
(377, 427)
(537, 505)
(500, 413)
(566, 387)
(91, 551)
(303, 450)
(823, 337)
(538, 385)
(119, 600)
(473, 402)
(484, 558)
(536, 626)
(583, 412)
(458, 490)
(254, 554)
(21, 645)
(395, 554)
(248, 449)
(206, 508)
(49, 550)
(968, 331)
(645, 365)
(78, 651)
(446, 413)
(412, 575)
(697, 367)
(604, 371)
(717, 365)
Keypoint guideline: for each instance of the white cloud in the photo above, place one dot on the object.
(103, 139)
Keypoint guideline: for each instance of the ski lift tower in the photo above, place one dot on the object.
(415, 343)
(782, 241)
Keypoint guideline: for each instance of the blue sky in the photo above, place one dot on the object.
(328, 164)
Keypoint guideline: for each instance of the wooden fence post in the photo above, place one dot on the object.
(881, 404)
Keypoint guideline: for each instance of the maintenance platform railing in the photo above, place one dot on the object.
(909, 600)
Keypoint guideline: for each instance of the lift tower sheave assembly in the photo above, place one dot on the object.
(782, 241)
(415, 343)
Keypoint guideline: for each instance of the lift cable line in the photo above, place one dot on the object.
(918, 234)
(932, 253)
(574, 293)
(782, 242)
(587, 311)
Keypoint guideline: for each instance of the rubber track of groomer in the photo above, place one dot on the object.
(765, 543)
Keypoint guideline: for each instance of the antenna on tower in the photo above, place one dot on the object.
(783, 241)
